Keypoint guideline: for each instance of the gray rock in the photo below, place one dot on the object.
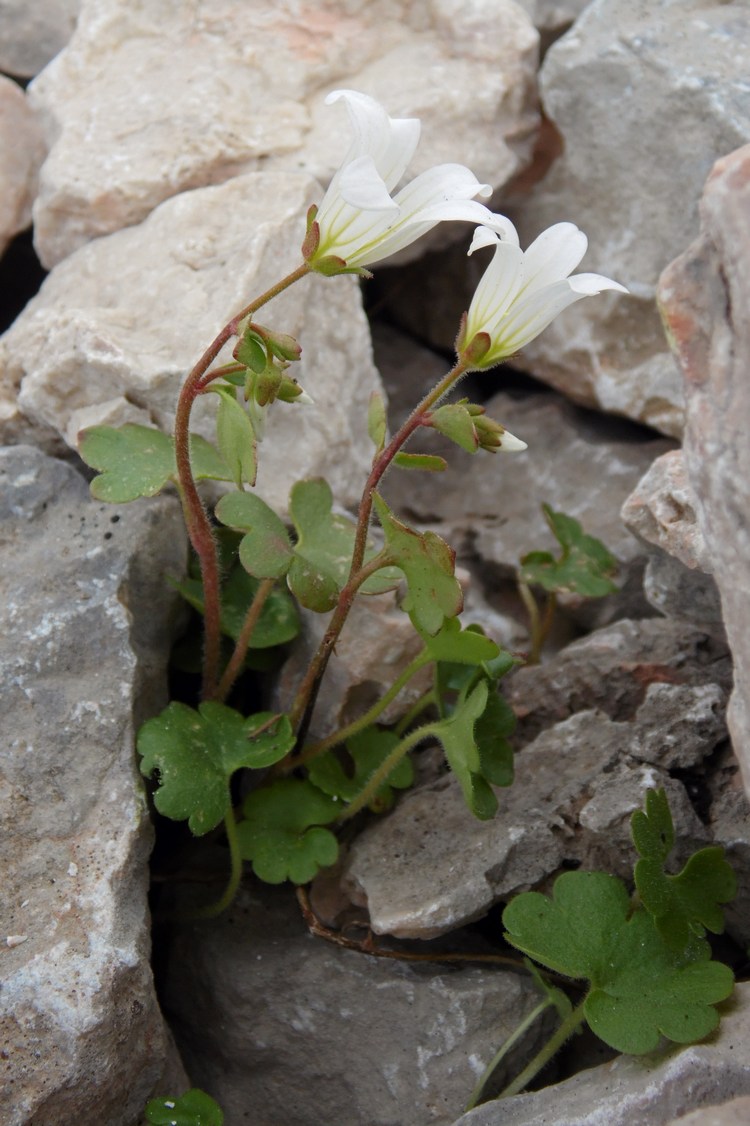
(678, 591)
(703, 295)
(729, 823)
(282, 1027)
(214, 100)
(650, 1090)
(736, 1112)
(117, 326)
(87, 619)
(32, 34)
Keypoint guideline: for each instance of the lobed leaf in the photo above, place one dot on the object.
(428, 563)
(236, 438)
(265, 550)
(195, 754)
(457, 735)
(282, 833)
(640, 989)
(585, 565)
(278, 622)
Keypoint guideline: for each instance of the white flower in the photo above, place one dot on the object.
(359, 221)
(520, 293)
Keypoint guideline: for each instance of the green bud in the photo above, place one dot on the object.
(250, 351)
(312, 234)
(267, 384)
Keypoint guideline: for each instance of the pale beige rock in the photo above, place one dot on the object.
(117, 326)
(736, 1112)
(705, 298)
(32, 32)
(21, 153)
(661, 510)
(229, 86)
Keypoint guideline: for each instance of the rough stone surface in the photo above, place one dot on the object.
(86, 626)
(705, 295)
(661, 510)
(649, 1090)
(117, 326)
(21, 152)
(284, 1028)
(553, 16)
(729, 822)
(32, 34)
(430, 866)
(645, 95)
(234, 86)
(736, 1112)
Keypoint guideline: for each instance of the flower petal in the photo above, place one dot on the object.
(361, 186)
(589, 284)
(496, 290)
(391, 142)
(553, 255)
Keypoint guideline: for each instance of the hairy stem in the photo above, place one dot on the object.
(389, 763)
(235, 874)
(570, 1025)
(308, 690)
(540, 624)
(234, 667)
(196, 517)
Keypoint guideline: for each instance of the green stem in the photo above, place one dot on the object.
(235, 875)
(570, 1025)
(308, 689)
(236, 661)
(312, 750)
(419, 706)
(389, 763)
(196, 517)
(503, 1050)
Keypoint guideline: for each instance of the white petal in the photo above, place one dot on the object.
(497, 289)
(495, 228)
(509, 444)
(532, 314)
(553, 255)
(361, 186)
(589, 284)
(391, 142)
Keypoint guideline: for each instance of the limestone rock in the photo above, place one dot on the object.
(289, 1028)
(661, 510)
(735, 1112)
(650, 1090)
(117, 326)
(32, 34)
(86, 629)
(21, 153)
(236, 86)
(705, 295)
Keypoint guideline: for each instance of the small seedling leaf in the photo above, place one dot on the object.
(640, 989)
(194, 1108)
(366, 750)
(585, 566)
(455, 422)
(460, 646)
(282, 833)
(457, 736)
(428, 563)
(196, 753)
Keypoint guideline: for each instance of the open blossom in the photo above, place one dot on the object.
(360, 221)
(520, 293)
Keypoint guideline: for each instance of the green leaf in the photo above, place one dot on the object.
(491, 732)
(428, 563)
(282, 834)
(377, 423)
(640, 989)
(138, 461)
(367, 750)
(460, 646)
(429, 462)
(278, 622)
(456, 733)
(455, 422)
(236, 438)
(194, 1108)
(196, 754)
(585, 566)
(684, 906)
(266, 549)
(251, 352)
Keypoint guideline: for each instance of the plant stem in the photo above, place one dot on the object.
(389, 763)
(234, 667)
(503, 1050)
(196, 517)
(235, 875)
(419, 706)
(540, 623)
(308, 689)
(312, 750)
(570, 1025)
